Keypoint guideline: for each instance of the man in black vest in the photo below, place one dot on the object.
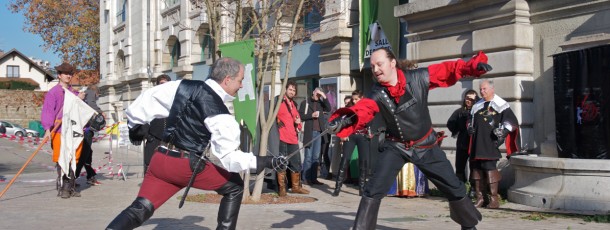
(196, 116)
(401, 98)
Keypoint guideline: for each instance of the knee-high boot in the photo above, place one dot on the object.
(341, 175)
(281, 181)
(133, 216)
(476, 175)
(366, 217)
(364, 176)
(493, 179)
(296, 183)
(463, 212)
(232, 193)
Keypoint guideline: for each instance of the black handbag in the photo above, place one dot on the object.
(97, 122)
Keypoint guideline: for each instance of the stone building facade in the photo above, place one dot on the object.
(141, 41)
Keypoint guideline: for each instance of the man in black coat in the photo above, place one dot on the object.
(312, 114)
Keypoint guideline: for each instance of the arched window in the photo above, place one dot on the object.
(119, 64)
(175, 54)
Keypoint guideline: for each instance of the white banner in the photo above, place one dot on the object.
(378, 40)
(76, 114)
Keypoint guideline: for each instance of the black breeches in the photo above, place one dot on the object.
(86, 156)
(432, 162)
(485, 165)
(364, 156)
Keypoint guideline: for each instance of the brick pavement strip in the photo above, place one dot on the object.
(34, 205)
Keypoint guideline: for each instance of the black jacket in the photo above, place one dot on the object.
(306, 110)
(457, 125)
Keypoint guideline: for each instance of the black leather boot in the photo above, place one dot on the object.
(232, 193)
(133, 216)
(479, 186)
(366, 218)
(340, 176)
(493, 178)
(364, 176)
(463, 212)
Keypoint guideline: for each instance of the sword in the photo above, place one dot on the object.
(192, 180)
(328, 130)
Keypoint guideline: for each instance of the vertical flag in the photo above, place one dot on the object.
(76, 114)
(245, 104)
(368, 15)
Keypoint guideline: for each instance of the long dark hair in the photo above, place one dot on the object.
(401, 64)
(470, 91)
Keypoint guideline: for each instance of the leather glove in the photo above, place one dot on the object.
(137, 134)
(471, 130)
(270, 162)
(484, 67)
(339, 123)
(501, 133)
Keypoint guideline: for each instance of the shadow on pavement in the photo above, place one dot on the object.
(330, 219)
(188, 222)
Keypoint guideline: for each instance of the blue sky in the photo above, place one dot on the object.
(13, 36)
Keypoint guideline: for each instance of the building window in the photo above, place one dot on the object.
(207, 47)
(169, 3)
(311, 21)
(121, 11)
(175, 54)
(12, 71)
(119, 64)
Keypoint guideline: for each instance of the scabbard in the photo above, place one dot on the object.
(190, 184)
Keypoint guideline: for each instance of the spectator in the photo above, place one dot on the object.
(51, 118)
(492, 122)
(312, 115)
(348, 101)
(362, 139)
(155, 129)
(86, 156)
(457, 125)
(289, 124)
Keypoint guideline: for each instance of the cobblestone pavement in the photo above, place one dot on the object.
(31, 202)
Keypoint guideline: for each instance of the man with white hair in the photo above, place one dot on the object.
(196, 117)
(493, 123)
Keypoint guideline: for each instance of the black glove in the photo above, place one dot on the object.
(471, 130)
(339, 123)
(137, 133)
(270, 162)
(484, 67)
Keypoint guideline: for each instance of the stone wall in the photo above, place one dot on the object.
(20, 106)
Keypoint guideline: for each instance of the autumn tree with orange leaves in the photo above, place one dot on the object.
(69, 28)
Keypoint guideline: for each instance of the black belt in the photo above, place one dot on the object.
(178, 153)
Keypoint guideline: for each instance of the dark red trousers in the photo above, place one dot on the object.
(167, 175)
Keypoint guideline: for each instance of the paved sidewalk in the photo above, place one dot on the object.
(31, 203)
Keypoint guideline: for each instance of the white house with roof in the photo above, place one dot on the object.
(14, 65)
